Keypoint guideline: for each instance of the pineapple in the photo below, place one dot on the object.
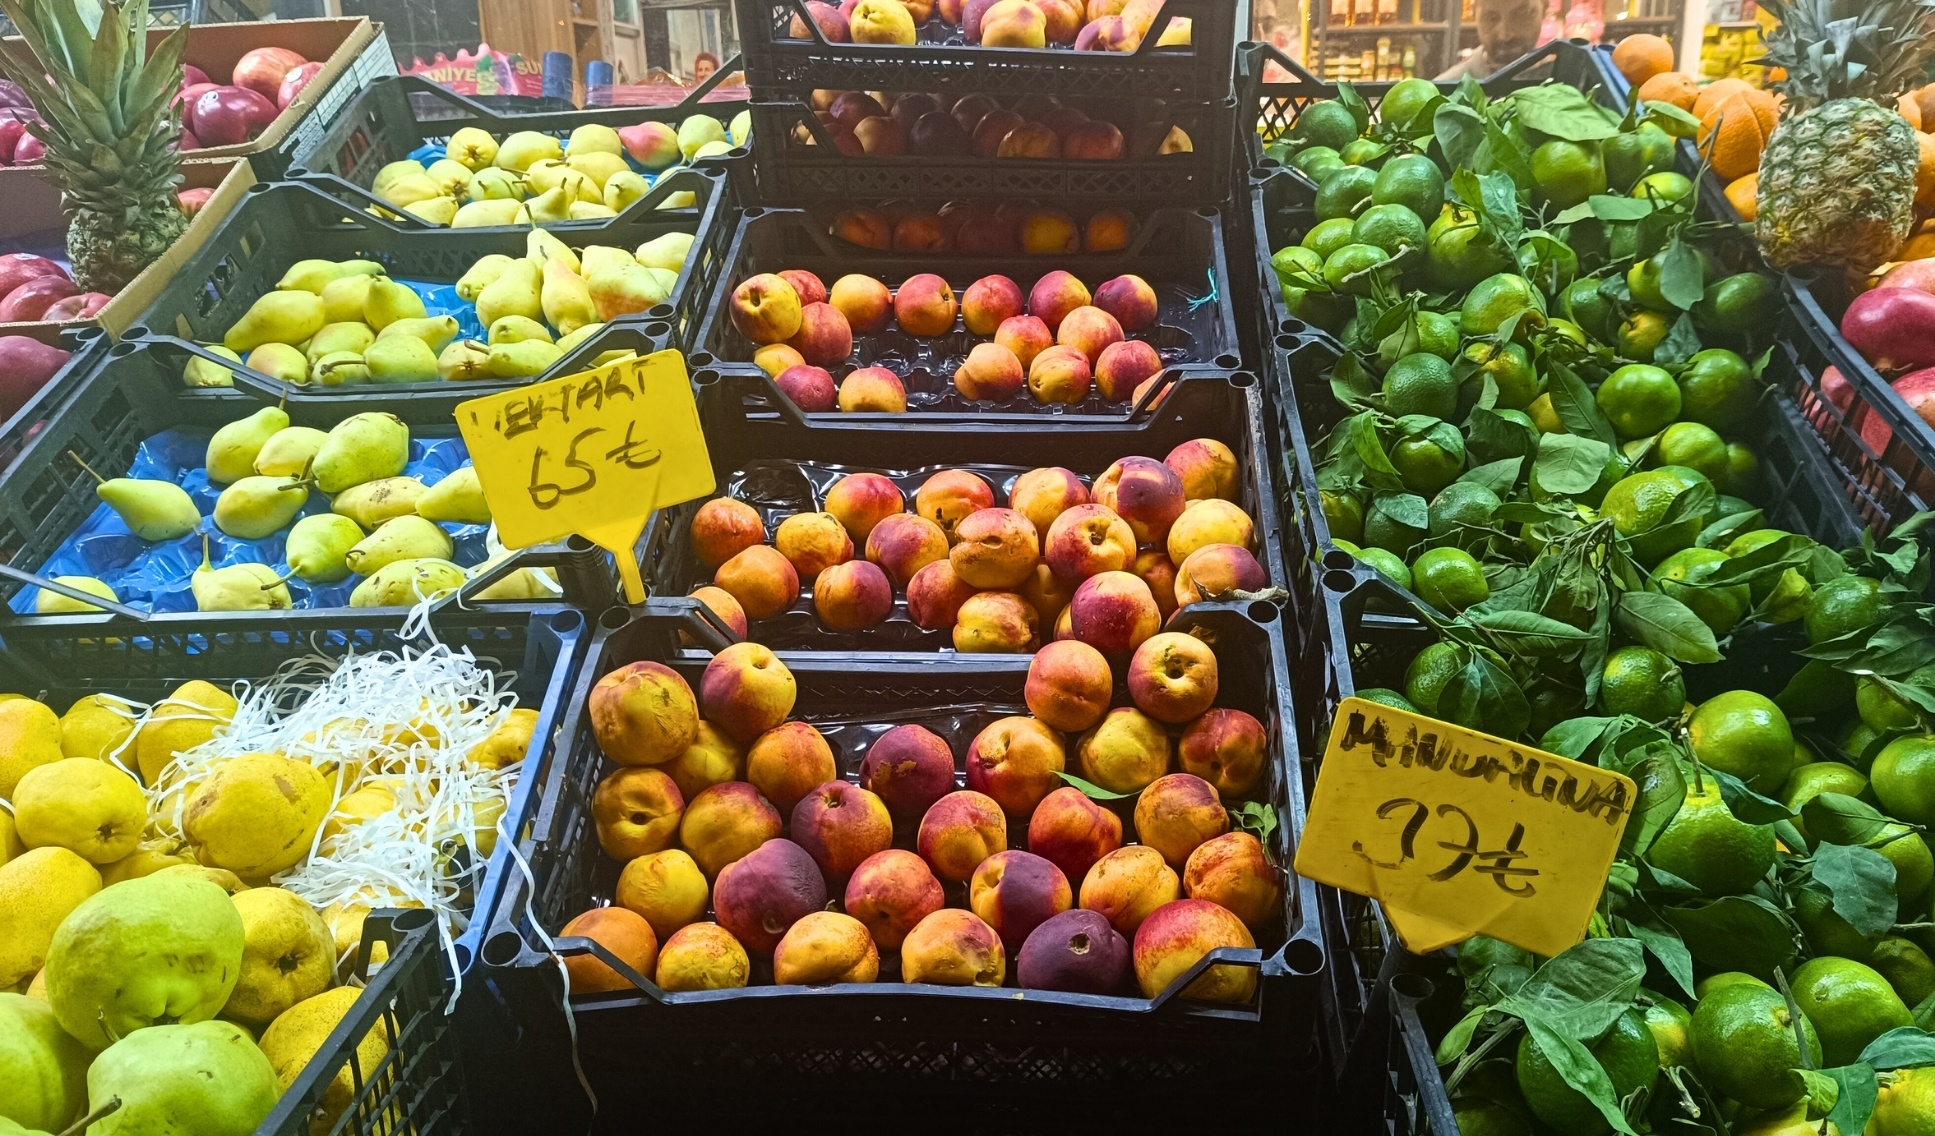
(1837, 179)
(111, 130)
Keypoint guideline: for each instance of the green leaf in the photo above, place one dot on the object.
(1679, 123)
(1255, 818)
(1661, 791)
(1570, 464)
(1608, 207)
(1682, 278)
(1665, 945)
(1355, 104)
(1404, 508)
(1548, 262)
(1459, 129)
(1370, 450)
(1862, 882)
(1096, 792)
(1682, 342)
(1572, 400)
(1904, 1047)
(1667, 626)
(1498, 476)
(1721, 532)
(1580, 1069)
(1458, 1038)
(1584, 988)
(1563, 112)
(1532, 634)
(1738, 932)
(1856, 1102)
(1747, 806)
(1836, 818)
(1481, 692)
(1500, 193)
(1822, 1091)
(1765, 562)
(1499, 154)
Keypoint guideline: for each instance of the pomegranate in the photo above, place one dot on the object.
(1916, 274)
(1917, 389)
(1893, 328)
(263, 69)
(227, 116)
(192, 200)
(294, 82)
(28, 150)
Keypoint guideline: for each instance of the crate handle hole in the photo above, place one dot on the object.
(1205, 211)
(1337, 560)
(1287, 342)
(661, 311)
(503, 948)
(1339, 581)
(699, 359)
(614, 618)
(1262, 611)
(567, 621)
(1415, 986)
(1242, 380)
(1304, 957)
(1228, 362)
(124, 349)
(657, 329)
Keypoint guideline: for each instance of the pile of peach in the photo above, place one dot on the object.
(1058, 340)
(1103, 565)
(1013, 226)
(744, 812)
(1038, 127)
(1098, 25)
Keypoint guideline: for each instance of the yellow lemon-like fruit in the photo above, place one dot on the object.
(182, 721)
(29, 736)
(288, 955)
(508, 743)
(86, 806)
(256, 814)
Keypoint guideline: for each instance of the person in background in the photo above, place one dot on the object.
(704, 66)
(1507, 29)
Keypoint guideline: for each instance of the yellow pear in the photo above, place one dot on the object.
(400, 538)
(668, 252)
(276, 317)
(10, 845)
(38, 889)
(472, 283)
(590, 210)
(568, 343)
(315, 275)
(515, 292)
(148, 857)
(508, 743)
(256, 814)
(29, 737)
(279, 361)
(541, 248)
(298, 1035)
(288, 452)
(410, 189)
(603, 258)
(373, 502)
(53, 603)
(338, 368)
(472, 147)
(406, 583)
(389, 301)
(389, 174)
(199, 372)
(545, 176)
(516, 329)
(623, 188)
(464, 359)
(288, 955)
(434, 330)
(594, 138)
(451, 176)
(566, 300)
(495, 185)
(436, 210)
(525, 148)
(180, 722)
(457, 498)
(486, 214)
(348, 335)
(98, 726)
(551, 206)
(221, 877)
(83, 805)
(598, 166)
(524, 359)
(681, 199)
(523, 584)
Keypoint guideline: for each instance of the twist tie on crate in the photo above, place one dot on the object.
(1208, 297)
(530, 913)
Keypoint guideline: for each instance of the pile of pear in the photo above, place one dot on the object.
(146, 954)
(535, 178)
(335, 323)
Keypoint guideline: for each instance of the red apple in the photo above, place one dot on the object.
(263, 69)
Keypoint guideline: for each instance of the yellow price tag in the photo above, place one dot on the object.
(592, 454)
(1460, 833)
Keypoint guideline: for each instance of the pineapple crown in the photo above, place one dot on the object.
(94, 81)
(1837, 49)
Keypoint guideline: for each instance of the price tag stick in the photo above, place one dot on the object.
(592, 454)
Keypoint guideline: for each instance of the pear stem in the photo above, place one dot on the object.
(87, 467)
(101, 1113)
(207, 564)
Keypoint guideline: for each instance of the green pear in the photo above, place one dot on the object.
(517, 329)
(389, 301)
(350, 335)
(343, 298)
(486, 214)
(457, 498)
(276, 317)
(233, 449)
(317, 545)
(472, 147)
(238, 587)
(362, 447)
(255, 507)
(46, 1081)
(315, 275)
(143, 952)
(541, 248)
(152, 510)
(566, 300)
(280, 361)
(487, 269)
(199, 372)
(288, 452)
(741, 128)
(400, 359)
(404, 538)
(53, 603)
(524, 149)
(339, 367)
(551, 206)
(435, 330)
(568, 343)
(623, 188)
(515, 292)
(523, 359)
(667, 252)
(373, 502)
(698, 130)
(207, 1078)
(492, 184)
(464, 359)
(405, 583)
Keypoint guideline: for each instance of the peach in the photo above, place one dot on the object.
(1069, 685)
(991, 129)
(825, 947)
(924, 305)
(1215, 569)
(832, 24)
(1064, 627)
(890, 893)
(776, 357)
(1015, 892)
(922, 232)
(862, 227)
(808, 387)
(996, 623)
(824, 337)
(1143, 389)
(865, 302)
(1054, 296)
(721, 604)
(1093, 142)
(813, 542)
(949, 496)
(766, 891)
(637, 810)
(863, 500)
(1108, 231)
(909, 767)
(995, 549)
(920, 10)
(1086, 541)
(951, 947)
(643, 713)
(1172, 677)
(1207, 468)
(1129, 884)
(726, 822)
(851, 107)
(702, 956)
(935, 596)
(1204, 523)
(1049, 232)
(1044, 494)
(1030, 140)
(1177, 812)
(959, 831)
(990, 372)
(723, 528)
(1232, 872)
(1123, 752)
(787, 762)
(950, 12)
(881, 21)
(1113, 612)
(625, 935)
(1060, 374)
(762, 580)
(1124, 367)
(1017, 761)
(903, 544)
(1014, 23)
(853, 596)
(765, 309)
(666, 888)
(1130, 300)
(1145, 493)
(1078, 952)
(1047, 593)
(1073, 832)
(881, 136)
(811, 290)
(874, 389)
(746, 691)
(1226, 748)
(1154, 569)
(1026, 336)
(1177, 935)
(1089, 330)
(990, 300)
(841, 825)
(972, 12)
(1064, 119)
(711, 759)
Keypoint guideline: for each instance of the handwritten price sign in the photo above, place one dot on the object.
(1460, 833)
(591, 454)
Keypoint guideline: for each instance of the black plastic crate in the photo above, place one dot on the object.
(797, 163)
(991, 1050)
(279, 224)
(943, 62)
(1178, 251)
(781, 464)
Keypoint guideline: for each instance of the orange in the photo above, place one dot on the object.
(1925, 98)
(1920, 245)
(1716, 91)
(1910, 110)
(1925, 174)
(1674, 87)
(1734, 131)
(1640, 57)
(1743, 192)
